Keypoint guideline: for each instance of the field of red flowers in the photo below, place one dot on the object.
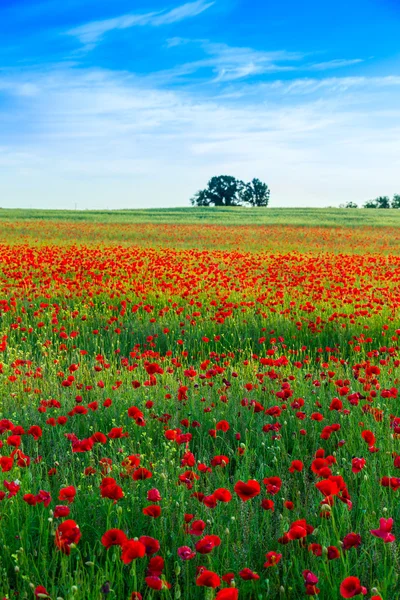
(199, 414)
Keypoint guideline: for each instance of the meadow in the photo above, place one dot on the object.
(199, 404)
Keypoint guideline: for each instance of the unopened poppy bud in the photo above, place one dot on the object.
(326, 508)
(374, 591)
(324, 551)
(227, 531)
(119, 509)
(16, 569)
(74, 589)
(50, 520)
(32, 586)
(282, 590)
(315, 532)
(177, 568)
(177, 592)
(89, 563)
(384, 509)
(59, 598)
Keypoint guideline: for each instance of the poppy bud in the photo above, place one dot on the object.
(282, 590)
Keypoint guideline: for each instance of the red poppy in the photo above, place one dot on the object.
(351, 587)
(247, 491)
(208, 579)
(227, 594)
(67, 494)
(113, 537)
(207, 544)
(131, 550)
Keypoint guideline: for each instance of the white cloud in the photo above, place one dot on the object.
(93, 32)
(104, 139)
(337, 63)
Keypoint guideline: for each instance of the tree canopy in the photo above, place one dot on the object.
(225, 190)
(384, 202)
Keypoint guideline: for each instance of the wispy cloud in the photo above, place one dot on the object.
(337, 63)
(91, 33)
(105, 133)
(229, 63)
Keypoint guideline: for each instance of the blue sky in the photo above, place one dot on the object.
(138, 103)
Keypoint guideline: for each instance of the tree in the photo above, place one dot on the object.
(225, 190)
(380, 202)
(396, 201)
(255, 193)
(348, 205)
(220, 191)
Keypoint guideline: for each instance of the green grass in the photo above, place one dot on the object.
(322, 217)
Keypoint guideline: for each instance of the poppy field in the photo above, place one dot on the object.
(206, 412)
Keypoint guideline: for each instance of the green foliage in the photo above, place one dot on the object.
(396, 201)
(255, 193)
(225, 190)
(348, 205)
(380, 202)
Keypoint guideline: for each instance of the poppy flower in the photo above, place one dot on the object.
(384, 531)
(351, 540)
(357, 464)
(223, 495)
(61, 511)
(131, 550)
(151, 544)
(67, 533)
(208, 579)
(296, 466)
(247, 491)
(186, 553)
(41, 592)
(273, 485)
(152, 511)
(227, 594)
(247, 574)
(351, 587)
(113, 537)
(67, 494)
(273, 559)
(207, 544)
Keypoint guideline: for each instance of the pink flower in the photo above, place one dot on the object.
(384, 531)
(186, 553)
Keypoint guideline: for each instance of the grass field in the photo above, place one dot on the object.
(199, 404)
(321, 217)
